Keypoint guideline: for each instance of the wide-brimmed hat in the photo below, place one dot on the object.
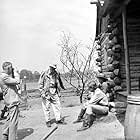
(53, 66)
(101, 75)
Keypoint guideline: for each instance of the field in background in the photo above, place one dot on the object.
(33, 92)
(69, 97)
(34, 85)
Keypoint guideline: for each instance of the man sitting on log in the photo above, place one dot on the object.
(103, 85)
(97, 105)
(83, 108)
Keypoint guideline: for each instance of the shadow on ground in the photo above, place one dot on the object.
(22, 133)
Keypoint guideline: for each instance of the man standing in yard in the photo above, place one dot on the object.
(8, 85)
(49, 86)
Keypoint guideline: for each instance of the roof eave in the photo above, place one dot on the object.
(112, 6)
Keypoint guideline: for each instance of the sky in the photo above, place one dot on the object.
(30, 30)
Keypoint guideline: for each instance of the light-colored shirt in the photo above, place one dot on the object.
(50, 82)
(9, 88)
(98, 97)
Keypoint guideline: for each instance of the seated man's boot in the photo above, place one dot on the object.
(87, 123)
(79, 119)
(80, 116)
(91, 119)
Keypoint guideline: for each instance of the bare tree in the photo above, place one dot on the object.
(76, 63)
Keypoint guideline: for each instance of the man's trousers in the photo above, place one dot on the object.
(10, 128)
(97, 109)
(55, 103)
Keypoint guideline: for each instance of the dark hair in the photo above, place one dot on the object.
(5, 65)
(92, 86)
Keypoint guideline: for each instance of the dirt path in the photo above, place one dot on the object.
(32, 125)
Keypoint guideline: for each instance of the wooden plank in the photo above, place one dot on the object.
(133, 76)
(48, 134)
(132, 68)
(126, 52)
(132, 43)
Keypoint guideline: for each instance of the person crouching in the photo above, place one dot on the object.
(97, 105)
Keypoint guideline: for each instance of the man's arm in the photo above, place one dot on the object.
(60, 82)
(96, 97)
(41, 82)
(10, 81)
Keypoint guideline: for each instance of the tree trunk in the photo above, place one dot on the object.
(81, 95)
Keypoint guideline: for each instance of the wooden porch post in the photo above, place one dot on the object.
(126, 51)
(98, 21)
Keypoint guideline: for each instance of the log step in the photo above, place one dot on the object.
(118, 110)
(121, 96)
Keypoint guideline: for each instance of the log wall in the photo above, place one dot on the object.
(112, 56)
(110, 49)
(133, 35)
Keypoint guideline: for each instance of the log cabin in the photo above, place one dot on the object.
(112, 38)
